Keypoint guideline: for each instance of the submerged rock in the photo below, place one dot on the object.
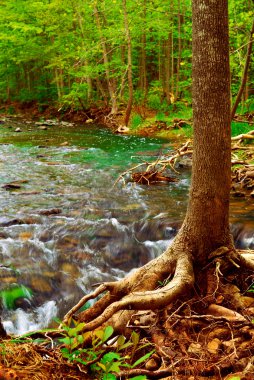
(52, 211)
(7, 222)
(14, 184)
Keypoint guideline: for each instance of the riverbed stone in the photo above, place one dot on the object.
(25, 235)
(51, 211)
(9, 280)
(70, 269)
(40, 284)
(7, 222)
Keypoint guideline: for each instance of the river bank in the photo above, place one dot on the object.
(143, 122)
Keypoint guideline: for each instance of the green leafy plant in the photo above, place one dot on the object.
(160, 116)
(101, 358)
(239, 128)
(11, 294)
(136, 121)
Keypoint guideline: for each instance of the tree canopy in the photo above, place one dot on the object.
(75, 53)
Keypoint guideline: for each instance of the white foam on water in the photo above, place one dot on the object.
(22, 322)
(156, 248)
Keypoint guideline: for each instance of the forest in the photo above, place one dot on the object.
(106, 54)
(126, 254)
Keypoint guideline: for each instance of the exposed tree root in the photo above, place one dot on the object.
(141, 290)
(162, 281)
(202, 337)
(193, 337)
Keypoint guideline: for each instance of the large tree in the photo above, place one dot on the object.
(204, 237)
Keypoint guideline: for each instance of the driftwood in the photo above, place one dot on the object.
(154, 171)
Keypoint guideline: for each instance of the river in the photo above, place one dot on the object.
(64, 226)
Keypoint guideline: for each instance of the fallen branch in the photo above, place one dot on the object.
(154, 170)
(150, 374)
(249, 135)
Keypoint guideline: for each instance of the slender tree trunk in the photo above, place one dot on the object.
(179, 51)
(111, 89)
(168, 73)
(172, 50)
(142, 70)
(86, 63)
(58, 85)
(101, 90)
(129, 73)
(245, 74)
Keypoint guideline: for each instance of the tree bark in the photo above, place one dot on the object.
(143, 70)
(206, 225)
(129, 71)
(179, 24)
(110, 82)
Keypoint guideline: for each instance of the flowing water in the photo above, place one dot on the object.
(65, 227)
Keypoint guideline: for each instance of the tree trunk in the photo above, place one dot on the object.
(86, 62)
(143, 71)
(207, 219)
(179, 56)
(111, 87)
(172, 51)
(129, 71)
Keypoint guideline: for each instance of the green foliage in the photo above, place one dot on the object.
(57, 52)
(239, 128)
(136, 121)
(160, 116)
(102, 359)
(10, 295)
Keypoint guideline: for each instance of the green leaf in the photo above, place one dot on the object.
(14, 292)
(77, 341)
(125, 345)
(142, 359)
(67, 340)
(135, 338)
(102, 366)
(109, 357)
(115, 367)
(140, 377)
(120, 341)
(109, 376)
(107, 333)
(65, 352)
(75, 330)
(99, 334)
